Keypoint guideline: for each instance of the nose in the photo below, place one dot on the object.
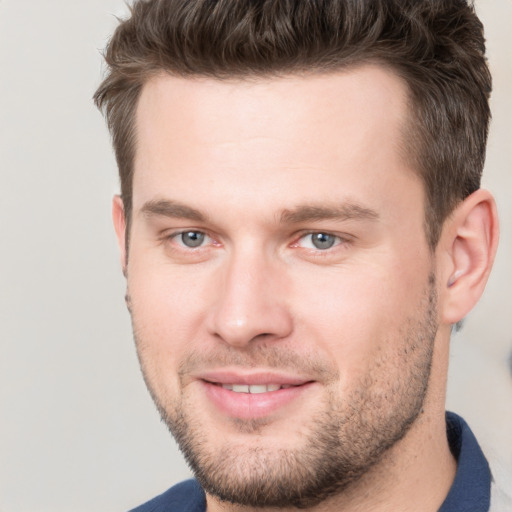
(250, 302)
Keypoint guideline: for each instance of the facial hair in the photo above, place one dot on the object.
(347, 436)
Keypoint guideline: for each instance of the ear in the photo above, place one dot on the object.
(468, 245)
(119, 218)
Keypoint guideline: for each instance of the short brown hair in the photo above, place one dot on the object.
(436, 46)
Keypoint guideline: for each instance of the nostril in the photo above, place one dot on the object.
(263, 335)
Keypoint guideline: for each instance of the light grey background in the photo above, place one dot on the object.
(78, 431)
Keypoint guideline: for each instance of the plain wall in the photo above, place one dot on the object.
(78, 431)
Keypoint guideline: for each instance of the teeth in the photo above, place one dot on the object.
(240, 388)
(258, 389)
(255, 388)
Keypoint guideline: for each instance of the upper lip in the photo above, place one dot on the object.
(252, 378)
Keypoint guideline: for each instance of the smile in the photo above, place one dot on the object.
(255, 388)
(263, 397)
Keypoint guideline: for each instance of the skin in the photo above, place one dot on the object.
(257, 167)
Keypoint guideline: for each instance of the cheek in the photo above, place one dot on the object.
(166, 317)
(359, 315)
(166, 297)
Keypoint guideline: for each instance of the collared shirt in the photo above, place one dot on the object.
(470, 491)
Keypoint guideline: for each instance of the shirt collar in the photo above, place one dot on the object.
(471, 489)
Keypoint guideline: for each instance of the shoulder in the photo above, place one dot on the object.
(184, 497)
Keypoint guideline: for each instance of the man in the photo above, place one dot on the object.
(301, 227)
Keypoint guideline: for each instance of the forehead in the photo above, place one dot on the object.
(293, 134)
(250, 107)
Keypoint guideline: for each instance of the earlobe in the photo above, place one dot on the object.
(119, 219)
(471, 239)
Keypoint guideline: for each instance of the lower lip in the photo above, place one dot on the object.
(252, 405)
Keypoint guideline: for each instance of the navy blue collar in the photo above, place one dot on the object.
(471, 489)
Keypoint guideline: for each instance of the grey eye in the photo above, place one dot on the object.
(192, 238)
(323, 240)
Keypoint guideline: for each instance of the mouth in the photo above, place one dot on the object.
(253, 389)
(254, 396)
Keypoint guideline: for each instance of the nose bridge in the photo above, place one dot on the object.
(250, 302)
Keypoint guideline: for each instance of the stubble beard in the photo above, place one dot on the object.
(339, 445)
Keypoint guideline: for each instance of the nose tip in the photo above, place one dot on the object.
(237, 331)
(240, 331)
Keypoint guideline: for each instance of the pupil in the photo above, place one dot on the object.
(323, 241)
(192, 238)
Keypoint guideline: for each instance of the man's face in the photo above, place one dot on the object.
(279, 279)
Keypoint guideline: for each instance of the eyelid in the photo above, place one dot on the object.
(313, 233)
(174, 235)
(342, 239)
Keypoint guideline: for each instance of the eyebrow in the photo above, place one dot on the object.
(304, 213)
(311, 213)
(172, 209)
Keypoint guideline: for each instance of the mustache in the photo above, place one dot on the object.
(275, 357)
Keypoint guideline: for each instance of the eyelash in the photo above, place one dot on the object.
(340, 242)
(175, 236)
